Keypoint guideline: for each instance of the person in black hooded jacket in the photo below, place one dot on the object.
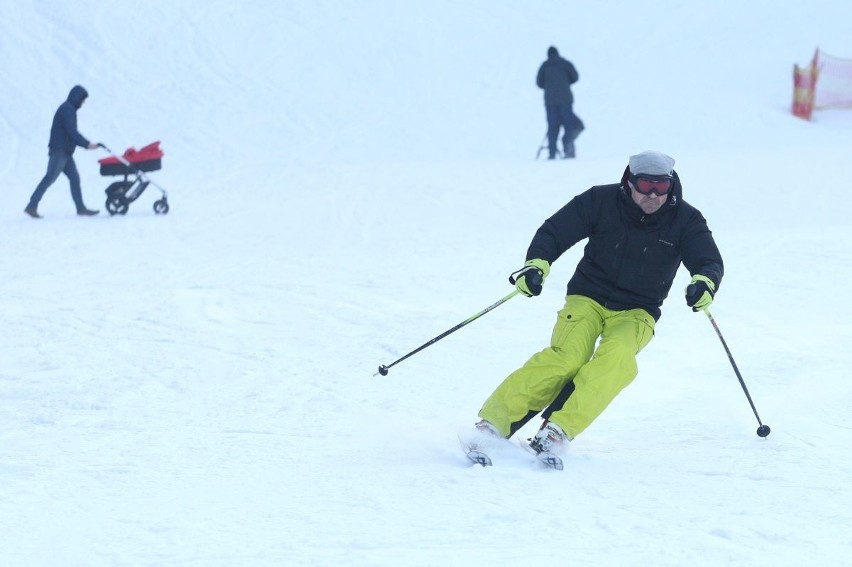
(555, 76)
(64, 138)
(639, 231)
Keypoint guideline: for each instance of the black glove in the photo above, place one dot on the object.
(529, 279)
(700, 292)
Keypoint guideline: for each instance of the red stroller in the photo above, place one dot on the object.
(134, 163)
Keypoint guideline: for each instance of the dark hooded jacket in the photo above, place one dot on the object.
(631, 257)
(555, 76)
(64, 136)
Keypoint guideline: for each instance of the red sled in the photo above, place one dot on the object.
(149, 158)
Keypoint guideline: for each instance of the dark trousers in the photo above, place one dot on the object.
(59, 162)
(556, 405)
(562, 116)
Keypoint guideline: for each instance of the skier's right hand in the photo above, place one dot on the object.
(530, 279)
(93, 146)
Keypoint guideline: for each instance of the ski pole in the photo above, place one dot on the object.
(383, 369)
(763, 430)
(541, 146)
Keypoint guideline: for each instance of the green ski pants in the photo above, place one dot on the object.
(598, 374)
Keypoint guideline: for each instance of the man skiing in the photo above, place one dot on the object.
(639, 232)
(64, 138)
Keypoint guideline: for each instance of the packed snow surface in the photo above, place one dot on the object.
(348, 180)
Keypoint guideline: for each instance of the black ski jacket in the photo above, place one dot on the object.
(555, 76)
(63, 131)
(631, 257)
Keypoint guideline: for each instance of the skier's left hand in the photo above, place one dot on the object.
(700, 292)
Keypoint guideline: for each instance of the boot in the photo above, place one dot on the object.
(33, 212)
(486, 427)
(84, 212)
(549, 438)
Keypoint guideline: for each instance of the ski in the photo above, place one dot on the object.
(478, 457)
(474, 451)
(548, 459)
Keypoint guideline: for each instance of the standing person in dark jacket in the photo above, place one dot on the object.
(555, 76)
(639, 231)
(64, 138)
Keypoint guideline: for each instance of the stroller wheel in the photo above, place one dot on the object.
(161, 206)
(117, 204)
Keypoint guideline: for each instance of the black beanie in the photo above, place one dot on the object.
(551, 52)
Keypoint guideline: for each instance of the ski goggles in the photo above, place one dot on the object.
(647, 184)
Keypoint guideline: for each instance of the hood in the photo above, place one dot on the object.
(77, 95)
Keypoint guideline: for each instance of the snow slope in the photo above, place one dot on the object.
(348, 180)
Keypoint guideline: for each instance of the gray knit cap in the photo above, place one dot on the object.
(651, 163)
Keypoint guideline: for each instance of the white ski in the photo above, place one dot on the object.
(550, 460)
(478, 457)
(475, 453)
